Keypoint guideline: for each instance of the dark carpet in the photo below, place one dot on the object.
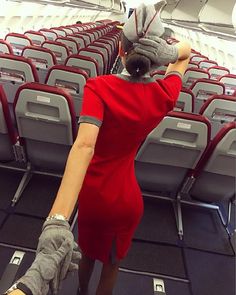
(9, 181)
(155, 258)
(38, 196)
(201, 227)
(21, 231)
(203, 230)
(2, 217)
(158, 222)
(211, 273)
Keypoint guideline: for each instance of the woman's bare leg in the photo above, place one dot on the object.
(86, 266)
(107, 279)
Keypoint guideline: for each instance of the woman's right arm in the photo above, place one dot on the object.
(180, 66)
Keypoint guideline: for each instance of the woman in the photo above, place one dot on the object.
(118, 113)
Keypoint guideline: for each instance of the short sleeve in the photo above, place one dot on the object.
(172, 85)
(92, 106)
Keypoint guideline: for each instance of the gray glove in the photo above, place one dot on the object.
(44, 268)
(54, 233)
(157, 50)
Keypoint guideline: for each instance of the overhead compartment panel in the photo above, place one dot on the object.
(187, 10)
(217, 12)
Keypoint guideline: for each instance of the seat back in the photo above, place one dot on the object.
(8, 136)
(18, 42)
(230, 83)
(203, 89)
(170, 151)
(49, 34)
(219, 109)
(97, 55)
(215, 173)
(37, 38)
(192, 75)
(60, 50)
(5, 47)
(105, 53)
(206, 64)
(42, 58)
(60, 32)
(70, 43)
(88, 64)
(185, 102)
(15, 70)
(46, 123)
(70, 79)
(216, 72)
(198, 58)
(79, 40)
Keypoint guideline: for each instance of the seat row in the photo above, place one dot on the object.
(177, 158)
(180, 162)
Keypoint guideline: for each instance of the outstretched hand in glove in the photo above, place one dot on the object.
(57, 255)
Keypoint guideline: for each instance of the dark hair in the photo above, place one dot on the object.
(136, 64)
(78, 22)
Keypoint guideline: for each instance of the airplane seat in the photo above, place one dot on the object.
(198, 58)
(168, 155)
(49, 34)
(60, 32)
(157, 74)
(67, 29)
(18, 42)
(60, 50)
(15, 71)
(105, 53)
(203, 89)
(46, 124)
(81, 42)
(107, 45)
(219, 109)
(5, 47)
(193, 65)
(97, 55)
(42, 58)
(216, 72)
(88, 64)
(74, 29)
(191, 75)
(214, 176)
(71, 80)
(112, 46)
(70, 43)
(170, 150)
(37, 38)
(8, 135)
(86, 37)
(205, 64)
(185, 102)
(229, 81)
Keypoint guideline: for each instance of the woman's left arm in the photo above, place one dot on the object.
(78, 161)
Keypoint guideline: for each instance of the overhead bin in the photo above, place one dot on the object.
(216, 16)
(188, 10)
(210, 16)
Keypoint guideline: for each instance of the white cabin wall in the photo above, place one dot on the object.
(19, 17)
(215, 48)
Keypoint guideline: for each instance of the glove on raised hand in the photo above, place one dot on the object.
(157, 50)
(44, 268)
(54, 233)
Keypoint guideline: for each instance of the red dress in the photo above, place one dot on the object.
(110, 201)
